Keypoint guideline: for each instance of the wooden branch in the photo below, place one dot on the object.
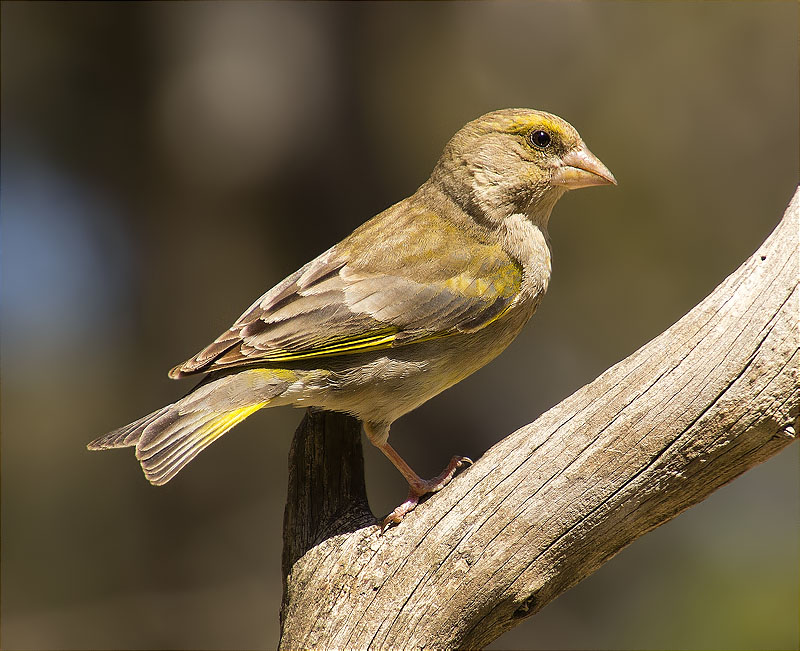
(714, 395)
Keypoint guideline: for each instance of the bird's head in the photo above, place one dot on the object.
(516, 161)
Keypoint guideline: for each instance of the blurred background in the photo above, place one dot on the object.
(164, 164)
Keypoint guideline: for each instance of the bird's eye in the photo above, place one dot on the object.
(540, 139)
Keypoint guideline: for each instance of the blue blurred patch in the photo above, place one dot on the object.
(66, 260)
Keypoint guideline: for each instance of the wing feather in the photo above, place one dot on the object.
(359, 296)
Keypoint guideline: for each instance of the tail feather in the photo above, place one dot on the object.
(128, 436)
(167, 440)
(171, 437)
(166, 426)
(181, 442)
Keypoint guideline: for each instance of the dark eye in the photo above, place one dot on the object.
(540, 139)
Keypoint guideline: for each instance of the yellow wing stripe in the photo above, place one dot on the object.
(377, 341)
(503, 285)
(372, 343)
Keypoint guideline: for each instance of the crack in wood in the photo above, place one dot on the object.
(713, 395)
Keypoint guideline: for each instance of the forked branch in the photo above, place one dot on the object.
(714, 395)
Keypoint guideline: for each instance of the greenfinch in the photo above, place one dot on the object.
(413, 301)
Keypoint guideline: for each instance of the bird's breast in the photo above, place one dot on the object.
(529, 244)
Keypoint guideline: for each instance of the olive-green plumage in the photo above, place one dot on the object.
(411, 302)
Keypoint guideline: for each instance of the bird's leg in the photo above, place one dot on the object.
(417, 486)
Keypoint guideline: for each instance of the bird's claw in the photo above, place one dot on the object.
(396, 516)
(422, 488)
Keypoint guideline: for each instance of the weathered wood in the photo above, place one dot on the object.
(714, 395)
(327, 495)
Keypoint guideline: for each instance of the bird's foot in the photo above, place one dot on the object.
(422, 487)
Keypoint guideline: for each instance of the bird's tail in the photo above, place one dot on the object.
(172, 436)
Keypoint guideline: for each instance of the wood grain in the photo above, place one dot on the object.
(715, 394)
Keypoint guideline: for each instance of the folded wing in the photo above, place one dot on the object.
(394, 281)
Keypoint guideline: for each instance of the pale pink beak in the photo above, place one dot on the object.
(580, 168)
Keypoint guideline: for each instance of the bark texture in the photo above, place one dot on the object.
(714, 395)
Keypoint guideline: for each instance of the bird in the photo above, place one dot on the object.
(410, 303)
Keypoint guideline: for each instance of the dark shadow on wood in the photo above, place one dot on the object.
(713, 395)
(327, 493)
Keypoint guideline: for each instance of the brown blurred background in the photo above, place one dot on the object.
(164, 164)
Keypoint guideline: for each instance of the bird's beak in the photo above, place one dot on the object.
(580, 168)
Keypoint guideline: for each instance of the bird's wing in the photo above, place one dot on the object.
(403, 277)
